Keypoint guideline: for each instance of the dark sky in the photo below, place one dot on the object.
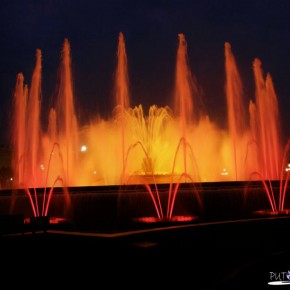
(253, 28)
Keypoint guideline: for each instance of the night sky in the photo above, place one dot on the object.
(254, 29)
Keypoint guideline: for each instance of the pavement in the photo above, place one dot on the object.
(233, 254)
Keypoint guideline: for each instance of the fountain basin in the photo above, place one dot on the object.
(116, 208)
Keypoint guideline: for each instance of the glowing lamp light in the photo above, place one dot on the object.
(41, 167)
(84, 148)
(224, 172)
(288, 168)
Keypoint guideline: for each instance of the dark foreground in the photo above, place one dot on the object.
(237, 254)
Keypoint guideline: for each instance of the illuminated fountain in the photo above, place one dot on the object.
(172, 146)
(271, 158)
(39, 160)
(275, 194)
(257, 149)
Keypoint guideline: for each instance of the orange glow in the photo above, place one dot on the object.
(133, 146)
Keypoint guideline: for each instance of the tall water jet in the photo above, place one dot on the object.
(184, 89)
(122, 93)
(26, 141)
(66, 118)
(268, 127)
(19, 125)
(32, 152)
(235, 109)
(33, 147)
(33, 132)
(265, 129)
